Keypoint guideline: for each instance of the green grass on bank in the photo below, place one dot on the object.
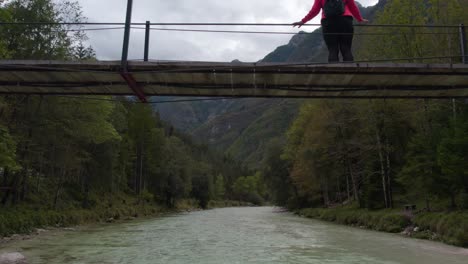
(387, 220)
(227, 203)
(450, 228)
(188, 205)
(25, 219)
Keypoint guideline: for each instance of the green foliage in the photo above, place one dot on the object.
(219, 188)
(7, 150)
(245, 184)
(65, 155)
(387, 221)
(227, 203)
(421, 167)
(413, 43)
(250, 188)
(463, 200)
(23, 220)
(377, 151)
(451, 228)
(382, 153)
(251, 145)
(175, 182)
(296, 132)
(202, 186)
(275, 172)
(43, 41)
(4, 17)
(452, 158)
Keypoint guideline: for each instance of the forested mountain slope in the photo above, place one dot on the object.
(243, 128)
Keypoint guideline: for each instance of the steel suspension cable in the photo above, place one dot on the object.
(291, 33)
(220, 24)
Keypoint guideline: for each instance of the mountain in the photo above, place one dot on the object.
(188, 116)
(302, 47)
(242, 128)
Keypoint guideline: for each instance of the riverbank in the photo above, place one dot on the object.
(23, 220)
(447, 227)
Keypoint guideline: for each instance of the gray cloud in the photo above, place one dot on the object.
(196, 46)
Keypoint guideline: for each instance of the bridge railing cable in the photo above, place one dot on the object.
(439, 33)
(217, 24)
(85, 29)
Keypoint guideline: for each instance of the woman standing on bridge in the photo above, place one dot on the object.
(337, 26)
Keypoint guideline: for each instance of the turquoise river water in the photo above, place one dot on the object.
(232, 235)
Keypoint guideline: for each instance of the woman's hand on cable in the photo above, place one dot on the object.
(365, 21)
(298, 24)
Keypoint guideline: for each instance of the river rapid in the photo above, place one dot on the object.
(231, 235)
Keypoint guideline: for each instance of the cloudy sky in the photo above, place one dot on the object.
(167, 45)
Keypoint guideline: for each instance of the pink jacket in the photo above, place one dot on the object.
(351, 9)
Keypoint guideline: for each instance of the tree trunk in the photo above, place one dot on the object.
(86, 187)
(454, 110)
(5, 177)
(382, 167)
(354, 183)
(388, 173)
(324, 187)
(138, 170)
(141, 181)
(338, 185)
(348, 190)
(39, 173)
(5, 184)
(24, 185)
(59, 188)
(428, 132)
(15, 190)
(135, 176)
(428, 205)
(453, 204)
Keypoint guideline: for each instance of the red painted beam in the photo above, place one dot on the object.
(136, 88)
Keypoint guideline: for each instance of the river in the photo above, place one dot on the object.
(231, 235)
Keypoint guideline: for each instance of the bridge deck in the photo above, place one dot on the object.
(360, 80)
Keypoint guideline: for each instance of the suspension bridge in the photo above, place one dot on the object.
(389, 78)
(205, 79)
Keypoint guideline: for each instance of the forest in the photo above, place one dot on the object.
(62, 154)
(381, 152)
(364, 156)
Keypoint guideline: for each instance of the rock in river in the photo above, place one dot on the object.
(12, 258)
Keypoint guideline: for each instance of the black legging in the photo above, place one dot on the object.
(338, 42)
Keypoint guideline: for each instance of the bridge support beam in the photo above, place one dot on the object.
(136, 88)
(126, 42)
(147, 40)
(128, 77)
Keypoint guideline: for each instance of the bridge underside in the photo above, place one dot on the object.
(206, 79)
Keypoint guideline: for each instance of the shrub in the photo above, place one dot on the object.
(463, 200)
(452, 228)
(388, 221)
